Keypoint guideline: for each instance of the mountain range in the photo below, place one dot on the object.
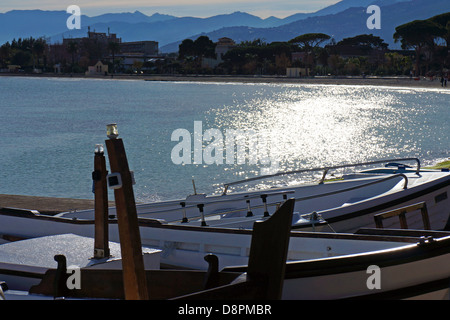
(344, 19)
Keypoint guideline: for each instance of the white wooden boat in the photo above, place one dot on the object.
(343, 205)
(28, 260)
(371, 264)
(415, 271)
(185, 246)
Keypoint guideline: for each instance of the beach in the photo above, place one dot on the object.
(327, 80)
(400, 81)
(46, 205)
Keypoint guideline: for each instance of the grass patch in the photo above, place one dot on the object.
(333, 179)
(442, 165)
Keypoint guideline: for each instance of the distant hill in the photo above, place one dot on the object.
(343, 19)
(168, 30)
(26, 23)
(347, 23)
(128, 17)
(129, 26)
(339, 7)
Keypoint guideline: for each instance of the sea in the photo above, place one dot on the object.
(193, 137)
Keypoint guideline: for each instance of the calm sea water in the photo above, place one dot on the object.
(49, 128)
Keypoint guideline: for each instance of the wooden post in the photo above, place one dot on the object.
(101, 242)
(425, 218)
(378, 221)
(269, 248)
(135, 283)
(403, 222)
(60, 286)
(266, 264)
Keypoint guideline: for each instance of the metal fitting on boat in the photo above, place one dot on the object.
(249, 209)
(185, 219)
(264, 199)
(114, 180)
(425, 240)
(200, 207)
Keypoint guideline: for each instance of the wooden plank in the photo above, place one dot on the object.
(109, 284)
(396, 212)
(267, 262)
(403, 222)
(268, 250)
(135, 284)
(425, 217)
(101, 239)
(401, 213)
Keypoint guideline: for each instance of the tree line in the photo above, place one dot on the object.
(424, 43)
(28, 52)
(425, 51)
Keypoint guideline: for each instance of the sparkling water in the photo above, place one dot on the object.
(49, 128)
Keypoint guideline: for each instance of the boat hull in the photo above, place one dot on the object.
(345, 206)
(413, 272)
(320, 265)
(362, 215)
(185, 246)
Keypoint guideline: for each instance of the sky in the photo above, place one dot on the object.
(180, 8)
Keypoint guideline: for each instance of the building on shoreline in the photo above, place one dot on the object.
(101, 38)
(98, 69)
(149, 48)
(86, 52)
(223, 45)
(136, 53)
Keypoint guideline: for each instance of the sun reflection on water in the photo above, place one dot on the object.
(320, 126)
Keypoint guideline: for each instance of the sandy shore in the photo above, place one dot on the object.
(352, 81)
(327, 80)
(46, 205)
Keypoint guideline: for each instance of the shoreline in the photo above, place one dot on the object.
(46, 205)
(403, 82)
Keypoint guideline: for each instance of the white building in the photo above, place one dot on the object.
(98, 69)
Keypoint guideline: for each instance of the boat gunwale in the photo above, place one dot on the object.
(145, 222)
(361, 261)
(325, 169)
